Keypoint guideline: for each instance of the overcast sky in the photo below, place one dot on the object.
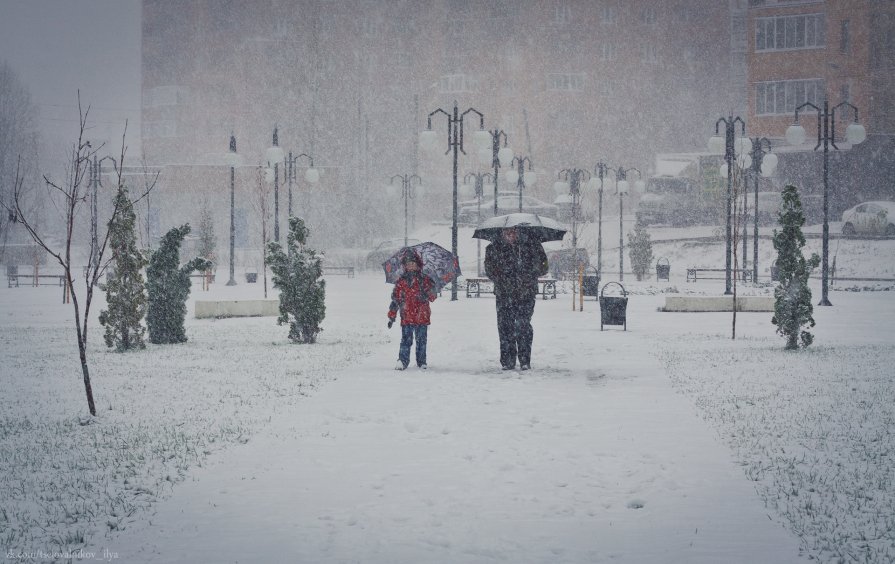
(59, 46)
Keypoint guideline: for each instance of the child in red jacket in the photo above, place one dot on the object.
(412, 294)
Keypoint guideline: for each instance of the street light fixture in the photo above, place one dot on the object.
(726, 145)
(826, 136)
(518, 176)
(96, 181)
(312, 175)
(621, 183)
(479, 187)
(406, 193)
(455, 141)
(764, 162)
(572, 185)
(495, 156)
(275, 156)
(601, 171)
(234, 160)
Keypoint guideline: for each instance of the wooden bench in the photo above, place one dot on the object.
(36, 280)
(346, 270)
(475, 287)
(693, 274)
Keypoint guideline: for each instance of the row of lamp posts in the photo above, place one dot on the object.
(274, 157)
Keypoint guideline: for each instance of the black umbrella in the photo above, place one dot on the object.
(530, 225)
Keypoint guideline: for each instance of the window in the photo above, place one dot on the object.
(648, 15)
(607, 51)
(161, 128)
(562, 13)
(164, 96)
(565, 81)
(844, 36)
(789, 32)
(458, 83)
(607, 14)
(783, 97)
(650, 54)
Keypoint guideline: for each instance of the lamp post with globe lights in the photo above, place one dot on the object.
(764, 163)
(96, 180)
(275, 157)
(407, 183)
(570, 182)
(727, 146)
(480, 139)
(601, 171)
(623, 188)
(312, 175)
(233, 160)
(826, 136)
(518, 176)
(495, 155)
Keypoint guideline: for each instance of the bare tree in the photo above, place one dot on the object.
(70, 197)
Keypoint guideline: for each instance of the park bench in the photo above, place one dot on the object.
(346, 270)
(693, 274)
(35, 279)
(476, 286)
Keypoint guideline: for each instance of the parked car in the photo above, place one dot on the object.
(384, 250)
(869, 218)
(507, 202)
(564, 262)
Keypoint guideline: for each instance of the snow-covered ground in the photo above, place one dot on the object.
(668, 442)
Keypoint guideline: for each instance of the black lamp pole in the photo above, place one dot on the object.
(96, 181)
(621, 175)
(602, 170)
(574, 177)
(406, 193)
(826, 136)
(520, 182)
(761, 146)
(290, 173)
(455, 142)
(276, 192)
(496, 134)
(232, 281)
(730, 123)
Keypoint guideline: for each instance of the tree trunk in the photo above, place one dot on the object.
(82, 350)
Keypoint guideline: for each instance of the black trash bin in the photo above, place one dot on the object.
(663, 269)
(590, 284)
(613, 309)
(251, 277)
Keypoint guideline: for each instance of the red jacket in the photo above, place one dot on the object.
(412, 295)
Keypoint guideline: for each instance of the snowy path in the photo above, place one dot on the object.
(590, 457)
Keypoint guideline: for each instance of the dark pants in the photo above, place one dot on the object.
(514, 328)
(407, 334)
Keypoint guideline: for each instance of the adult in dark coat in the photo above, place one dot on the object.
(514, 264)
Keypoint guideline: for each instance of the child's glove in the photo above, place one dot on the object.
(390, 322)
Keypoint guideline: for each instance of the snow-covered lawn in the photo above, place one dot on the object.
(666, 443)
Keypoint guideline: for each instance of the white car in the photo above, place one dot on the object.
(869, 218)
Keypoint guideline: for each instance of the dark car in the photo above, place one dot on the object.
(564, 263)
(384, 250)
(507, 202)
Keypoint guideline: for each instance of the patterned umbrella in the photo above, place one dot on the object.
(533, 226)
(439, 264)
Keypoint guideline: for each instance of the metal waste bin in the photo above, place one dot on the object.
(251, 277)
(590, 284)
(613, 309)
(663, 270)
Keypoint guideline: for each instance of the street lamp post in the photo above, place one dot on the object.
(275, 156)
(233, 159)
(764, 162)
(573, 178)
(601, 171)
(518, 175)
(621, 182)
(498, 155)
(96, 173)
(826, 136)
(716, 145)
(479, 192)
(312, 175)
(406, 193)
(455, 142)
